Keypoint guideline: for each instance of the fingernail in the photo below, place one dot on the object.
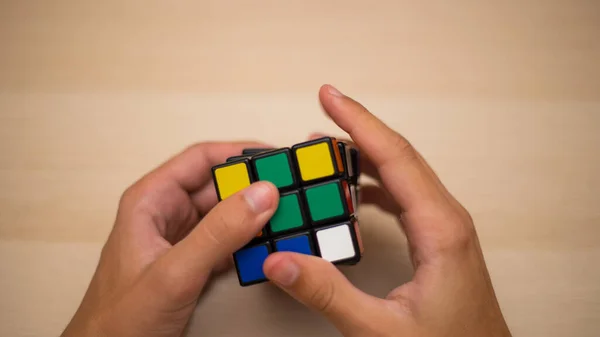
(333, 91)
(286, 273)
(258, 197)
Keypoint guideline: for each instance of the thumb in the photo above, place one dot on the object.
(319, 285)
(227, 227)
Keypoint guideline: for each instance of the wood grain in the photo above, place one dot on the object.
(503, 99)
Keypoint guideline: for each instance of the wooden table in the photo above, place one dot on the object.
(503, 99)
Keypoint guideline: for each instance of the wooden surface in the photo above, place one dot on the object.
(503, 99)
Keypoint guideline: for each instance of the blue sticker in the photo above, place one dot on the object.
(297, 244)
(250, 263)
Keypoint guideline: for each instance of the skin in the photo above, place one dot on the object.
(170, 236)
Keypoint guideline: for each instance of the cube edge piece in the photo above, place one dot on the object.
(291, 164)
(307, 233)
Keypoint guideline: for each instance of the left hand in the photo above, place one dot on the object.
(168, 239)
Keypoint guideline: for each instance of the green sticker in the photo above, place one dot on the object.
(288, 214)
(325, 201)
(275, 169)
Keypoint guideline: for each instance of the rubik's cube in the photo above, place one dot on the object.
(318, 189)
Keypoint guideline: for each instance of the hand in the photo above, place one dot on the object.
(168, 239)
(451, 293)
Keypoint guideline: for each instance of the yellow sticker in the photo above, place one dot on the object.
(315, 161)
(231, 179)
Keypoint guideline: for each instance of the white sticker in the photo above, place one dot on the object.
(335, 243)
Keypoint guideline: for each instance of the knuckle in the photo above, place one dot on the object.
(323, 297)
(402, 302)
(404, 148)
(463, 237)
(217, 230)
(138, 191)
(128, 196)
(224, 225)
(464, 213)
(167, 281)
(451, 233)
(402, 153)
(136, 196)
(196, 147)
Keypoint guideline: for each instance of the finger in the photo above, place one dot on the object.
(191, 168)
(205, 198)
(226, 228)
(319, 285)
(164, 193)
(395, 158)
(223, 265)
(370, 169)
(431, 219)
(378, 196)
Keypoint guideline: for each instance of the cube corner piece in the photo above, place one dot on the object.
(231, 177)
(340, 243)
(318, 160)
(249, 262)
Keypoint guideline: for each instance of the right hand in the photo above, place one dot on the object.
(451, 293)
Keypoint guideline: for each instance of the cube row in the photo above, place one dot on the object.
(339, 244)
(303, 164)
(315, 205)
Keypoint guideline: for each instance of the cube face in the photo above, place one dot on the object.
(318, 187)
(275, 167)
(231, 178)
(289, 214)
